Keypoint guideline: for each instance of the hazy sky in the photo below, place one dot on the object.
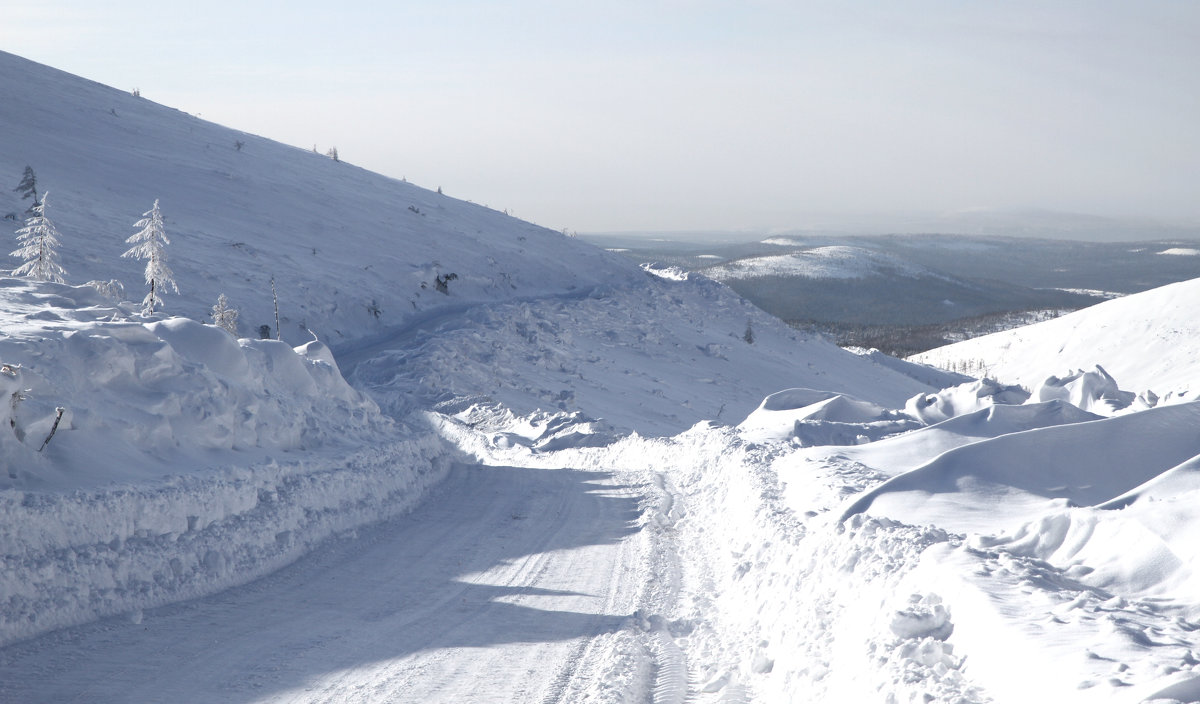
(684, 114)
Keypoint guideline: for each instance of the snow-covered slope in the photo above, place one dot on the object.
(589, 526)
(1149, 340)
(184, 461)
(353, 253)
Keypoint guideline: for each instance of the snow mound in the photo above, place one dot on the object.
(964, 398)
(832, 262)
(1093, 391)
(995, 484)
(1144, 543)
(902, 453)
(540, 431)
(810, 417)
(924, 617)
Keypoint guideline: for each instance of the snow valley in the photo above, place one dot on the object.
(472, 459)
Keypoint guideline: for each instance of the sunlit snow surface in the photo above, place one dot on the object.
(832, 262)
(561, 478)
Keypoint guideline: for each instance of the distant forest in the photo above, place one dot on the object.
(906, 340)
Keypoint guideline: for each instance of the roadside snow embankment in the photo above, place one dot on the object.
(148, 461)
(69, 558)
(145, 398)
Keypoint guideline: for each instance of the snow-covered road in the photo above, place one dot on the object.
(499, 587)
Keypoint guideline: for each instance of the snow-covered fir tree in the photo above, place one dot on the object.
(225, 317)
(150, 244)
(28, 188)
(39, 247)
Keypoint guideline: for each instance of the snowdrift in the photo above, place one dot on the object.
(808, 417)
(996, 484)
(964, 398)
(896, 455)
(1093, 390)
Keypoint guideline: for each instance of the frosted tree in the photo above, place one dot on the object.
(38, 244)
(225, 317)
(28, 188)
(150, 244)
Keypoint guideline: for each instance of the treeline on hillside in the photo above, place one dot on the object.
(906, 340)
(895, 300)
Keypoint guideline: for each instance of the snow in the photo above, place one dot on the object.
(1145, 341)
(832, 262)
(557, 476)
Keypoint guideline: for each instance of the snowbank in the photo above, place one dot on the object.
(809, 417)
(183, 461)
(997, 484)
(147, 398)
(70, 558)
(896, 455)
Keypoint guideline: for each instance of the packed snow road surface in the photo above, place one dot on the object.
(503, 586)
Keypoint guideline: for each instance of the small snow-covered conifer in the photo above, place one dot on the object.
(150, 244)
(39, 242)
(225, 317)
(28, 188)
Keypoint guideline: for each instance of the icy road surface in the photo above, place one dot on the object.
(503, 586)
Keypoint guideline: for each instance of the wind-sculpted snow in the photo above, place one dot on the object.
(809, 417)
(995, 484)
(1093, 390)
(964, 398)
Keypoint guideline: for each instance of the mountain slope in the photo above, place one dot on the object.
(353, 253)
(184, 461)
(1145, 341)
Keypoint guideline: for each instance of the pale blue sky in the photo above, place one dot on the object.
(685, 114)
